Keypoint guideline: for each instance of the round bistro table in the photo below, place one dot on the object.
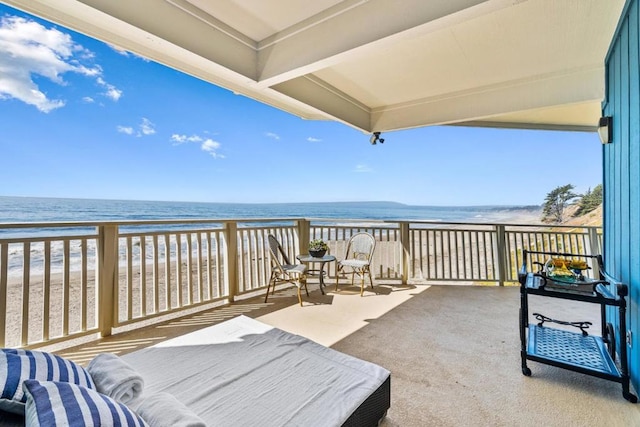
(308, 259)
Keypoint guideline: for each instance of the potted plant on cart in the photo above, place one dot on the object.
(318, 248)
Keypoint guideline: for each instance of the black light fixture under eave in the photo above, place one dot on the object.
(375, 137)
(605, 129)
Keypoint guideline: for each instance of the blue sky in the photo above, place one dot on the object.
(82, 119)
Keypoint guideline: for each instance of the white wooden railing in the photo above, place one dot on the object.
(60, 281)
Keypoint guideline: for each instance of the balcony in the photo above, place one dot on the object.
(453, 350)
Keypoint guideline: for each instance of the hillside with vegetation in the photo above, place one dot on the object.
(563, 206)
(591, 218)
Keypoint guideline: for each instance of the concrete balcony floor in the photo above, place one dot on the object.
(453, 351)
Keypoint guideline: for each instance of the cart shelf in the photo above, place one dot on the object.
(583, 352)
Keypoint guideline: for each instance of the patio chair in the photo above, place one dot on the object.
(358, 258)
(282, 271)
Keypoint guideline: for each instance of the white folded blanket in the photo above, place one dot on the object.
(164, 410)
(115, 378)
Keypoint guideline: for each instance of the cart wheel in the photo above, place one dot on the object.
(611, 338)
(526, 371)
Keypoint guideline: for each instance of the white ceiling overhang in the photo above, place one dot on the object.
(376, 65)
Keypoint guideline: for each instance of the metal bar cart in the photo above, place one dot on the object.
(577, 351)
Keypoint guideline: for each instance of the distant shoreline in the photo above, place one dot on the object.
(30, 209)
(342, 202)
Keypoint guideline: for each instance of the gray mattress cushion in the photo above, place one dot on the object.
(243, 372)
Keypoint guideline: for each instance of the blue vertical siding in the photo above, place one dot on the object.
(634, 184)
(622, 173)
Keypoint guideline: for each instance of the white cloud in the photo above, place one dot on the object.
(88, 99)
(125, 129)
(178, 139)
(181, 139)
(145, 128)
(29, 49)
(210, 146)
(312, 139)
(272, 135)
(363, 169)
(112, 92)
(207, 145)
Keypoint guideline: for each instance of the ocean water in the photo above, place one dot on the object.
(15, 210)
(36, 209)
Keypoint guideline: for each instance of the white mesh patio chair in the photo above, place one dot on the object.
(357, 258)
(282, 271)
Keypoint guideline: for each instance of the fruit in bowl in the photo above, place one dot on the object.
(561, 272)
(559, 268)
(578, 264)
(558, 262)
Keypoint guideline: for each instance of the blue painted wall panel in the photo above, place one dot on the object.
(621, 161)
(634, 176)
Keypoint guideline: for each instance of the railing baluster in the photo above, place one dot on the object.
(143, 274)
(431, 253)
(405, 243)
(220, 243)
(199, 267)
(450, 253)
(46, 290)
(189, 268)
(129, 285)
(484, 255)
(231, 266)
(26, 278)
(594, 248)
(168, 293)
(4, 260)
(241, 260)
(156, 279)
(467, 254)
(66, 289)
(179, 272)
(208, 264)
(478, 266)
(84, 279)
(501, 254)
(252, 255)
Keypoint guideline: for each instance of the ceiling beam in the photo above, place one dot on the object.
(202, 35)
(527, 126)
(88, 18)
(130, 26)
(358, 27)
(576, 87)
(339, 106)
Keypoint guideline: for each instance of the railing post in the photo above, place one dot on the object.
(501, 252)
(231, 258)
(108, 277)
(594, 247)
(405, 244)
(304, 231)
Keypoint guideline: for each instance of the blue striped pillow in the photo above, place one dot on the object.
(51, 403)
(17, 366)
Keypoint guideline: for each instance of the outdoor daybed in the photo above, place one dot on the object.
(245, 373)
